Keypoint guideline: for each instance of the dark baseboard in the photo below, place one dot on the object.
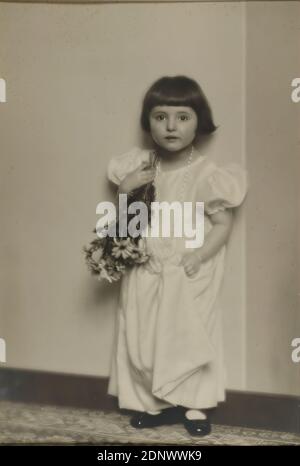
(245, 409)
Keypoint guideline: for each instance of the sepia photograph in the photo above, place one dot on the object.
(150, 223)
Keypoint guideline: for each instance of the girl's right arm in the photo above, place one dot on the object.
(137, 178)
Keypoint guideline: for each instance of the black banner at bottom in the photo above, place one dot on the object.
(131, 454)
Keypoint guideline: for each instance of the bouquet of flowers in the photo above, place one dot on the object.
(108, 257)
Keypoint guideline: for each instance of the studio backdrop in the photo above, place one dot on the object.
(75, 76)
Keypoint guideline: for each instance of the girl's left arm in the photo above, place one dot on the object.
(221, 227)
(214, 240)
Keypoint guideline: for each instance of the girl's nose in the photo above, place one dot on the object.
(171, 123)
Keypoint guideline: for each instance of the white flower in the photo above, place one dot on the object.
(123, 248)
(105, 275)
(97, 255)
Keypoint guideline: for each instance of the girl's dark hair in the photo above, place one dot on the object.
(178, 91)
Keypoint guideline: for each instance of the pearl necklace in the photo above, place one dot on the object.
(184, 179)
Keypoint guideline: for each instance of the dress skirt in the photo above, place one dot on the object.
(168, 343)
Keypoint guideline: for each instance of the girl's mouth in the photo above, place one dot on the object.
(171, 138)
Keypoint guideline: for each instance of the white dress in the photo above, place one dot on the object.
(168, 341)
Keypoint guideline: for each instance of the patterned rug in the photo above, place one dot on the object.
(22, 423)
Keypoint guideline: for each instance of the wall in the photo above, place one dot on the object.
(272, 142)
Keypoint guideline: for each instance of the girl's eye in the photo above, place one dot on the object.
(184, 117)
(160, 117)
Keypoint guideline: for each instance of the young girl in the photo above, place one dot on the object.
(168, 359)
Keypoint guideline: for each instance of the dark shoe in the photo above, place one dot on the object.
(167, 416)
(197, 427)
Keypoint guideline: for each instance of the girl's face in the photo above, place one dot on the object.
(173, 128)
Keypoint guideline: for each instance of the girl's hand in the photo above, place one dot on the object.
(143, 174)
(191, 262)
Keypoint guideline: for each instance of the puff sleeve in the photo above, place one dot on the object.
(225, 187)
(120, 165)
